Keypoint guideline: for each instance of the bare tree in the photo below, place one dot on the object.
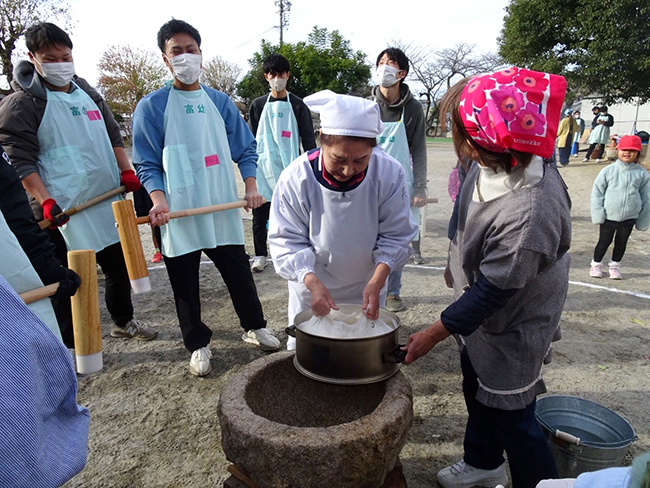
(126, 74)
(221, 75)
(16, 16)
(436, 71)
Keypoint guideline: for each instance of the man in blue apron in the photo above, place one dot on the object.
(185, 139)
(404, 139)
(67, 148)
(280, 122)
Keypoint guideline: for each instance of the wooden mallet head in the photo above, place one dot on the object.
(85, 312)
(127, 228)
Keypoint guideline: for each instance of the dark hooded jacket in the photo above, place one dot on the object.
(21, 114)
(20, 220)
(415, 131)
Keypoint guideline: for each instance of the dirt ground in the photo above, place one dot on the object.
(155, 425)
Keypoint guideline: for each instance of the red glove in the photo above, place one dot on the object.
(130, 180)
(50, 211)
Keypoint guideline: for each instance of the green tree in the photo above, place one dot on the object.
(600, 46)
(16, 16)
(325, 61)
(127, 74)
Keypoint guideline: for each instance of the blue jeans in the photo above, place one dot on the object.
(490, 431)
(395, 282)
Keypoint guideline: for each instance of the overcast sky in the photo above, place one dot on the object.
(234, 29)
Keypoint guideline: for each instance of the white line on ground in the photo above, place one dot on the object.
(439, 268)
(606, 288)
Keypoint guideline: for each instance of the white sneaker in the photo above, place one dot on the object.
(585, 160)
(596, 270)
(259, 263)
(263, 338)
(462, 475)
(200, 362)
(614, 271)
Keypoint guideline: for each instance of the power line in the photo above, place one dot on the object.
(251, 40)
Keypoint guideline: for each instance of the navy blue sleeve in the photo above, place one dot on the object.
(477, 304)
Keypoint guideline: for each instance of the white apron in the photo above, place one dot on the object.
(76, 163)
(393, 140)
(277, 144)
(344, 262)
(198, 171)
(16, 268)
(600, 133)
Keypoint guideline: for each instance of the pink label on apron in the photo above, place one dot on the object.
(94, 115)
(211, 160)
(286, 133)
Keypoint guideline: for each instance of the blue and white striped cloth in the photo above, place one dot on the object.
(43, 432)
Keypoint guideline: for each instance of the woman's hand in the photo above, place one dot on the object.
(370, 305)
(321, 300)
(420, 343)
(371, 292)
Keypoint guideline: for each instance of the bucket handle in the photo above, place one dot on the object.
(291, 331)
(565, 436)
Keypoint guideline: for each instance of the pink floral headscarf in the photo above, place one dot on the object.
(514, 109)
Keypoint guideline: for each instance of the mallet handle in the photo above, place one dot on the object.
(198, 211)
(83, 206)
(32, 296)
(432, 200)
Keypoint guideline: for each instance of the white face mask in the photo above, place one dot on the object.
(58, 74)
(278, 84)
(386, 75)
(186, 67)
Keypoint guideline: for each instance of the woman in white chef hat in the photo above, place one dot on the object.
(340, 214)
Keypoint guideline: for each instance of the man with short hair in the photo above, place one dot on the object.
(404, 139)
(185, 138)
(280, 122)
(67, 148)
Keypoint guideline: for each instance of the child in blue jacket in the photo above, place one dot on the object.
(620, 199)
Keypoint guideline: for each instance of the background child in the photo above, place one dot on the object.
(620, 199)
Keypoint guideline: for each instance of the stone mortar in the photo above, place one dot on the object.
(286, 430)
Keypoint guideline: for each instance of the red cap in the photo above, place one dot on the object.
(630, 143)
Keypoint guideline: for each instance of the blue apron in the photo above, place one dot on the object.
(76, 163)
(16, 268)
(393, 140)
(277, 144)
(198, 171)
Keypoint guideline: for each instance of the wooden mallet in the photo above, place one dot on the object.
(83, 206)
(127, 228)
(423, 216)
(85, 310)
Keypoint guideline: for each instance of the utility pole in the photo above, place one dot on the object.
(281, 20)
(284, 6)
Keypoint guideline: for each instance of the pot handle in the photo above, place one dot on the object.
(395, 356)
(291, 331)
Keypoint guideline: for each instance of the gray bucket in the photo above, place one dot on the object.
(584, 435)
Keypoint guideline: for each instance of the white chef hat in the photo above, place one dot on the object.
(345, 115)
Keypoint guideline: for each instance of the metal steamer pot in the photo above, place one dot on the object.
(347, 361)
